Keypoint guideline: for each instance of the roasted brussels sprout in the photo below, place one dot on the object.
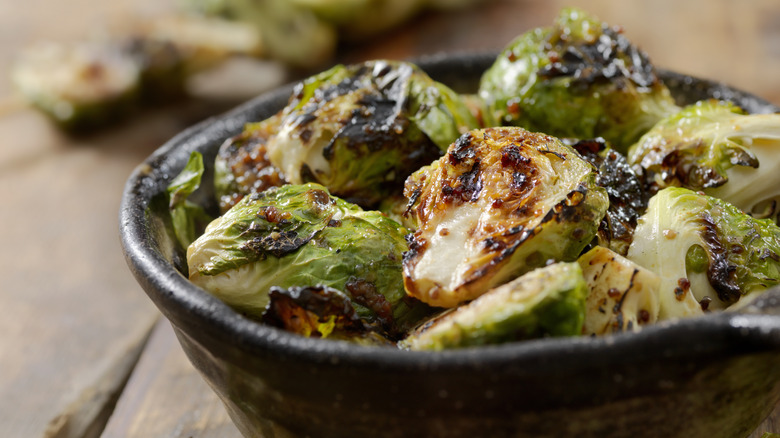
(299, 235)
(85, 86)
(290, 33)
(356, 19)
(242, 165)
(548, 301)
(79, 87)
(622, 296)
(360, 130)
(716, 147)
(707, 252)
(500, 203)
(321, 312)
(579, 78)
(627, 197)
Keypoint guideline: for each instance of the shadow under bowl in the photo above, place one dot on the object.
(712, 376)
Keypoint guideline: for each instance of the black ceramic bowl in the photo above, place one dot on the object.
(712, 376)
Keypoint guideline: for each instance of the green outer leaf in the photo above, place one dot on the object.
(232, 238)
(187, 217)
(439, 112)
(305, 90)
(548, 301)
(186, 182)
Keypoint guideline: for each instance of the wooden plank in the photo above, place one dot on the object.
(770, 425)
(166, 397)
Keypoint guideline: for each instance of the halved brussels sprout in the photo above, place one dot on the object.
(79, 87)
(579, 78)
(627, 197)
(242, 165)
(622, 296)
(707, 252)
(88, 85)
(299, 235)
(360, 130)
(716, 147)
(548, 301)
(321, 312)
(500, 203)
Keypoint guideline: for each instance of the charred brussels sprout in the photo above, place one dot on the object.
(627, 197)
(299, 235)
(707, 252)
(548, 301)
(579, 78)
(500, 203)
(622, 296)
(242, 165)
(321, 312)
(716, 147)
(361, 130)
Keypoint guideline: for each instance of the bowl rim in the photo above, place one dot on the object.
(756, 328)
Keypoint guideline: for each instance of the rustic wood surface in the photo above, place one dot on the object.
(74, 320)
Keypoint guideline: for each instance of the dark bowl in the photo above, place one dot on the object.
(712, 376)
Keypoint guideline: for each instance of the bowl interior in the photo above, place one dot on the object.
(158, 261)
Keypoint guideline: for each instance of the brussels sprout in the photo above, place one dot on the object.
(299, 235)
(86, 86)
(579, 78)
(289, 33)
(321, 312)
(361, 130)
(716, 147)
(500, 203)
(79, 87)
(357, 19)
(623, 296)
(627, 198)
(242, 165)
(707, 252)
(548, 301)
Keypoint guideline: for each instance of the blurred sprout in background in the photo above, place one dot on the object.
(90, 84)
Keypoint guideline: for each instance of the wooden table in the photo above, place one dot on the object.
(75, 324)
